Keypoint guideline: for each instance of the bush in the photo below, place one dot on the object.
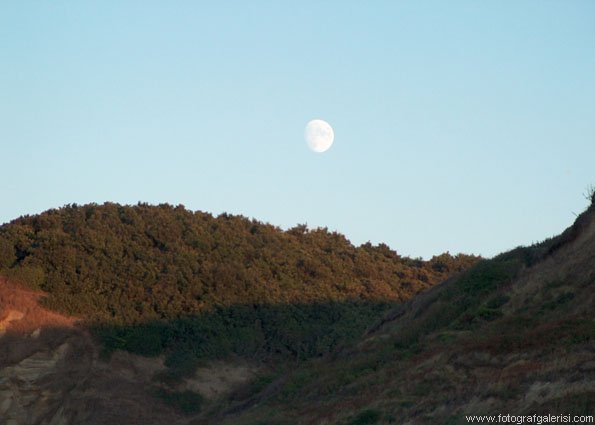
(7, 254)
(29, 276)
(366, 417)
(497, 301)
(182, 363)
(187, 402)
(144, 340)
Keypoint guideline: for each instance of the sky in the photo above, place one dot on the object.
(460, 126)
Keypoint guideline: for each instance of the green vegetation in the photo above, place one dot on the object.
(475, 297)
(132, 264)
(162, 279)
(491, 333)
(187, 402)
(191, 287)
(253, 331)
(366, 417)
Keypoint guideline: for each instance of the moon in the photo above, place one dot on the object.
(319, 135)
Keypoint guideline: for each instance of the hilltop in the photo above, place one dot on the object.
(129, 264)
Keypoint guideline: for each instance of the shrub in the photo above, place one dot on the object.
(497, 301)
(30, 276)
(144, 340)
(182, 363)
(187, 402)
(366, 417)
(7, 254)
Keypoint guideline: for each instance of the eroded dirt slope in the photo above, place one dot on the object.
(50, 372)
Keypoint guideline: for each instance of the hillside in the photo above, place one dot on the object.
(50, 372)
(130, 264)
(512, 335)
(224, 297)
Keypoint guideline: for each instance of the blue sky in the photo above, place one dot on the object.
(464, 126)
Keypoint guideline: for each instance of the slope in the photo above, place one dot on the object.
(211, 302)
(512, 335)
(129, 264)
(50, 371)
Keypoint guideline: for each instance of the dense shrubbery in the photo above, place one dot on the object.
(128, 264)
(187, 402)
(154, 277)
(253, 331)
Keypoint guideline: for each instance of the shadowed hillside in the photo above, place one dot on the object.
(512, 335)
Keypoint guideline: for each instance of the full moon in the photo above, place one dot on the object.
(319, 135)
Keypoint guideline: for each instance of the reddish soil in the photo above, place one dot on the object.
(20, 311)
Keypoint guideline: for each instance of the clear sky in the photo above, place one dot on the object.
(466, 126)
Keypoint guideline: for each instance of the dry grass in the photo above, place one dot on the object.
(535, 355)
(20, 311)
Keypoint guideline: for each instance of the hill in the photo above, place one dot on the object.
(162, 279)
(127, 264)
(511, 335)
(514, 335)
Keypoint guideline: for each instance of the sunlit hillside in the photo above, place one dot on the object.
(190, 287)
